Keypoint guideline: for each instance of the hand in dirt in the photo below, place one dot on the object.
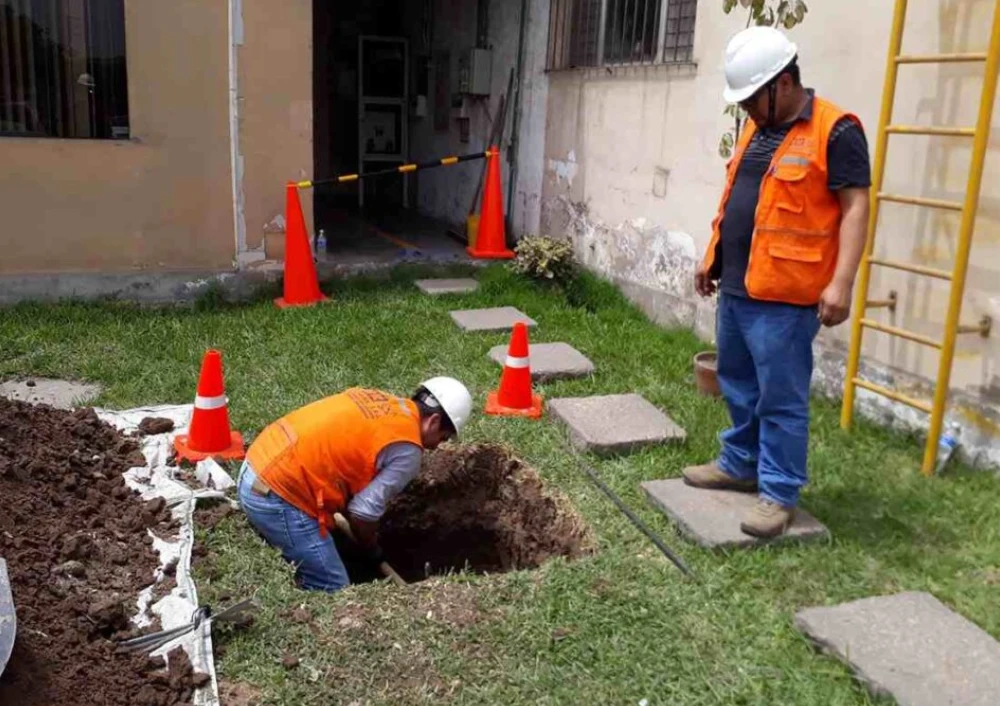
(365, 533)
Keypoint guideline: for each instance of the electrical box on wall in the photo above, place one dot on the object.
(475, 72)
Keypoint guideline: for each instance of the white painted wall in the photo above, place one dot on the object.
(447, 193)
(632, 174)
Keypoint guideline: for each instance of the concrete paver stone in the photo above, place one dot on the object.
(550, 361)
(62, 394)
(910, 646)
(712, 518)
(447, 286)
(613, 424)
(500, 318)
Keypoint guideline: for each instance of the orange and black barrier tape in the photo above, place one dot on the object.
(402, 169)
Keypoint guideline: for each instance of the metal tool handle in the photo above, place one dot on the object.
(154, 640)
(344, 526)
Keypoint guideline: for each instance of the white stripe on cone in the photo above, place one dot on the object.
(513, 362)
(210, 402)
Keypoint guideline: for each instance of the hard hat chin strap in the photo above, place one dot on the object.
(772, 97)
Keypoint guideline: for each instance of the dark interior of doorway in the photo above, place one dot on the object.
(337, 27)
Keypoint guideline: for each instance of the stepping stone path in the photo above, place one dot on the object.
(62, 394)
(712, 517)
(497, 319)
(551, 361)
(447, 286)
(911, 647)
(613, 424)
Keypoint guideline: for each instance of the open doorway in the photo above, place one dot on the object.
(370, 68)
(400, 82)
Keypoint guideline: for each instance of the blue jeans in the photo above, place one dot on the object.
(765, 363)
(318, 565)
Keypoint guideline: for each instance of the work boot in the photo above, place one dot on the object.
(767, 519)
(712, 477)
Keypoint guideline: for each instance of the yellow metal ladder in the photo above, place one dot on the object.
(952, 328)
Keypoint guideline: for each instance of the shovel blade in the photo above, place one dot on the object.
(8, 621)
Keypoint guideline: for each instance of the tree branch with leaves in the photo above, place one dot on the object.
(762, 13)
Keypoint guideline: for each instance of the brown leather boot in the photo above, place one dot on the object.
(767, 519)
(712, 477)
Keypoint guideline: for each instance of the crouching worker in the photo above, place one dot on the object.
(349, 453)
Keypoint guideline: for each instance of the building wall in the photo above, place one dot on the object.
(442, 193)
(633, 175)
(164, 199)
(276, 112)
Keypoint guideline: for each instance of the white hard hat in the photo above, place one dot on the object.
(753, 57)
(454, 398)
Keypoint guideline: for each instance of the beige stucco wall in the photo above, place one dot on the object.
(276, 107)
(633, 174)
(164, 199)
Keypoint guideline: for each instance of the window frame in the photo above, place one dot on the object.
(565, 38)
(101, 111)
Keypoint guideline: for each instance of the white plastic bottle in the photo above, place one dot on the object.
(947, 445)
(321, 245)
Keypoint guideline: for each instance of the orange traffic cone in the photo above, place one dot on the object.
(491, 240)
(301, 284)
(515, 396)
(209, 435)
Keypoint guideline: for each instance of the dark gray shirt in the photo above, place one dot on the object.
(848, 165)
(397, 464)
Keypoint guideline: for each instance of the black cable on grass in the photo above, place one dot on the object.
(640, 525)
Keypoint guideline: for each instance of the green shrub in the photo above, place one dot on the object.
(540, 257)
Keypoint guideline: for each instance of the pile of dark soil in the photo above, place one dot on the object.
(74, 537)
(480, 509)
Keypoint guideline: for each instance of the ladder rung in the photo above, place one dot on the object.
(915, 269)
(931, 130)
(921, 201)
(897, 396)
(901, 333)
(940, 58)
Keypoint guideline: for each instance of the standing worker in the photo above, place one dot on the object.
(785, 249)
(349, 453)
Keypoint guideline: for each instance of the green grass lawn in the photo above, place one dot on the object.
(619, 627)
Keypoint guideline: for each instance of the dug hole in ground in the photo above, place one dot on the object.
(475, 508)
(96, 524)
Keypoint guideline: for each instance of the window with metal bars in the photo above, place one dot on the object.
(62, 69)
(586, 33)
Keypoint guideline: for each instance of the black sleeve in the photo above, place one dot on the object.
(847, 157)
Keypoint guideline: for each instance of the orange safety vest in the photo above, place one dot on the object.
(321, 455)
(795, 243)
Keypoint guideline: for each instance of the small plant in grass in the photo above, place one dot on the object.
(212, 297)
(545, 259)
